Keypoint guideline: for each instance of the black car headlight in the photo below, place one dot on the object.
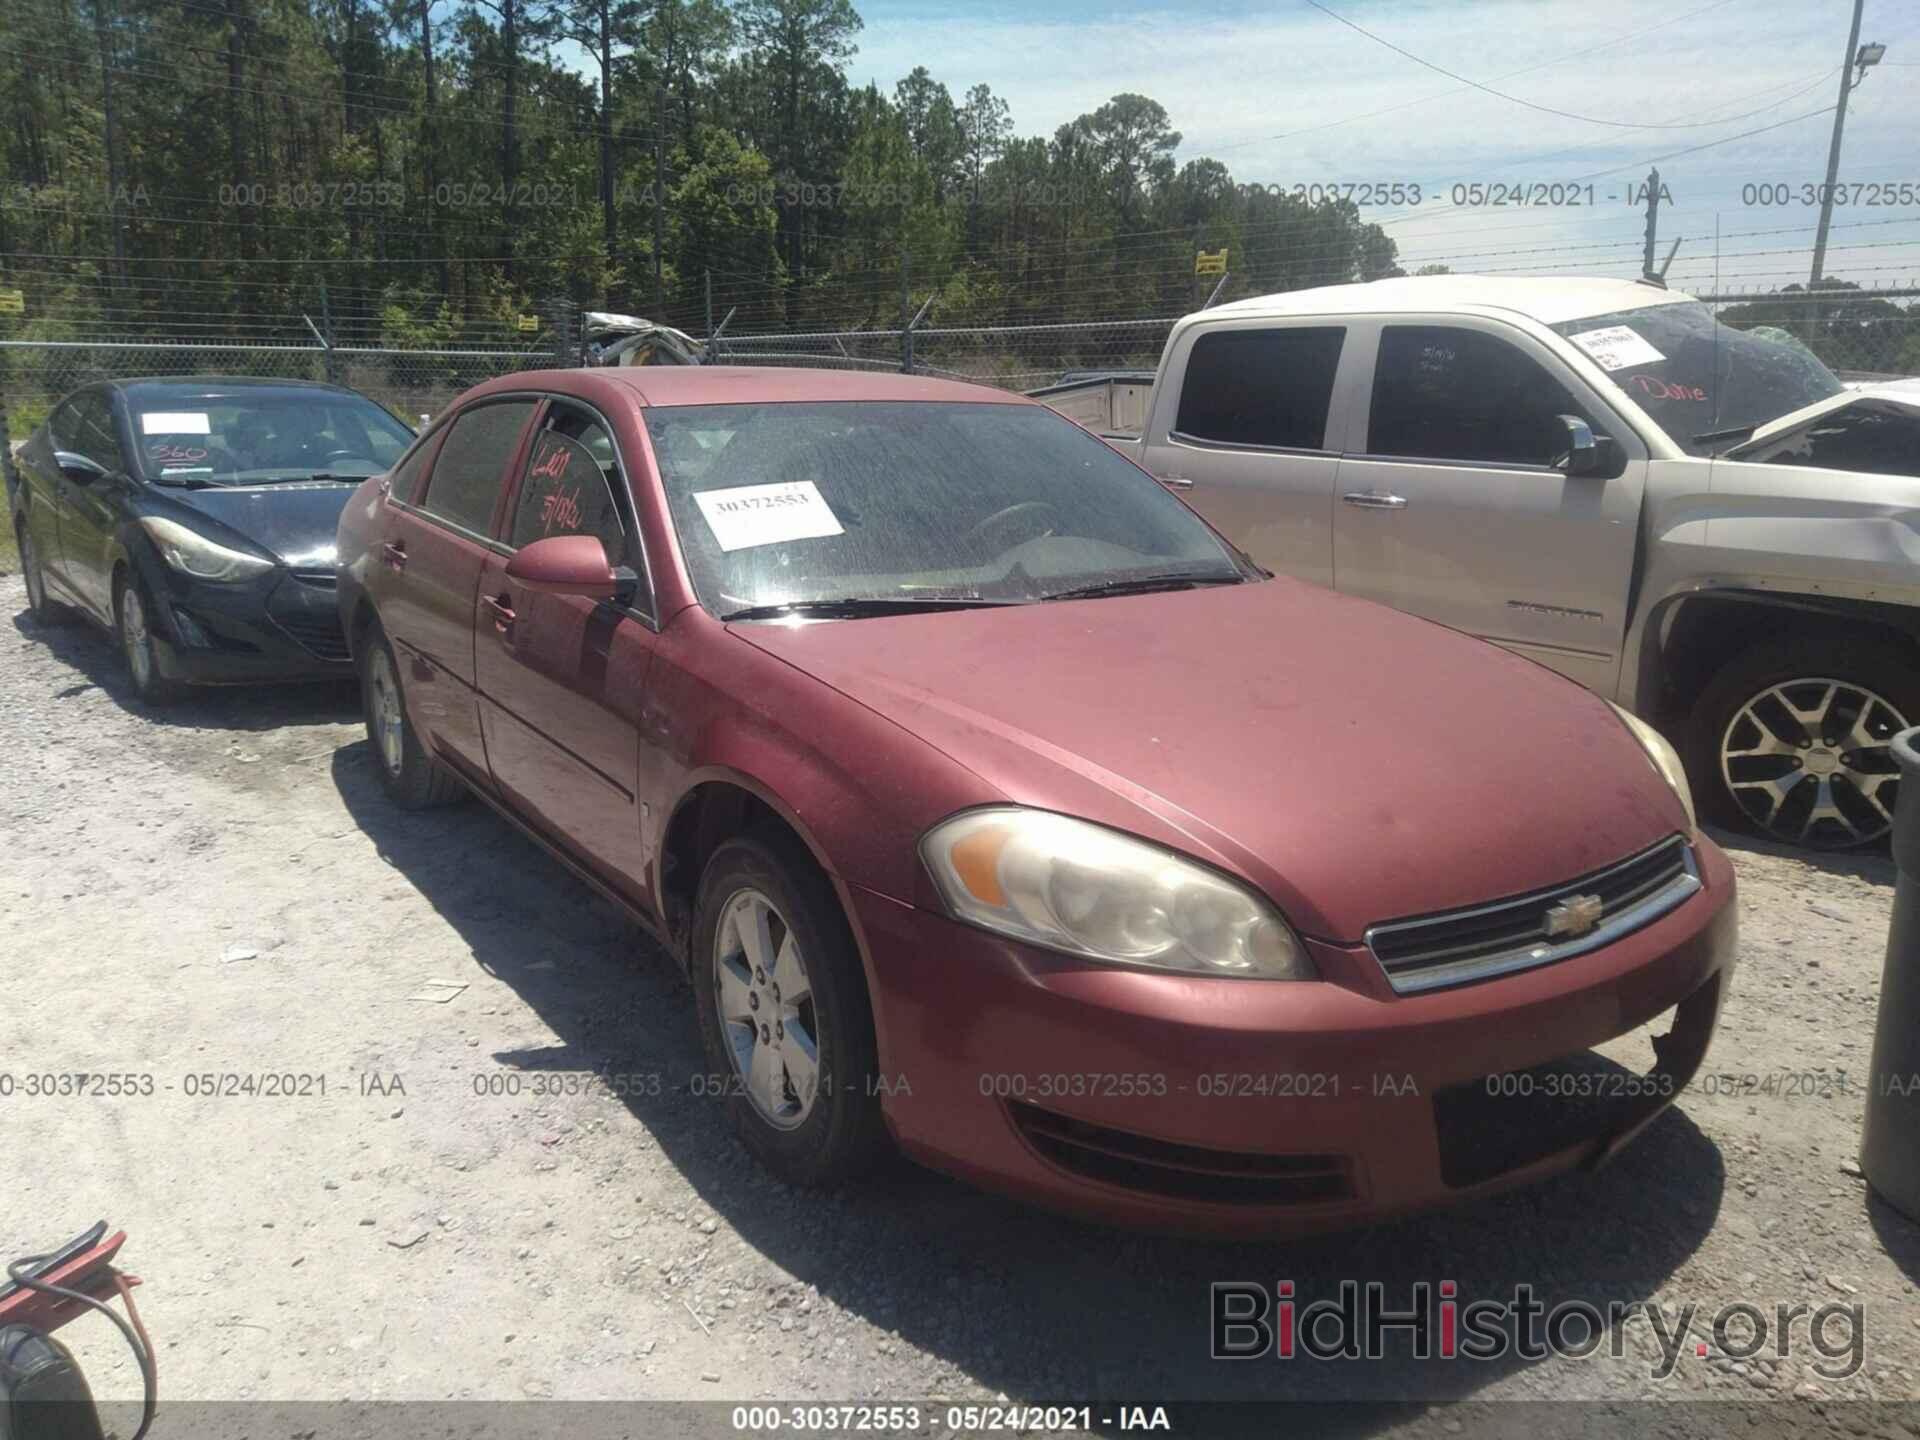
(192, 553)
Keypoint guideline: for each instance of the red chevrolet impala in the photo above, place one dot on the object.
(998, 808)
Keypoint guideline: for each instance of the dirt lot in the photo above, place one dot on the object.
(221, 890)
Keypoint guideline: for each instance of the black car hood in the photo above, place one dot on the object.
(294, 520)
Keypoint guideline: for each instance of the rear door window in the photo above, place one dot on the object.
(570, 485)
(1442, 393)
(1267, 388)
(472, 465)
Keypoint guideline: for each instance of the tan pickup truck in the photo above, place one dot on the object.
(1700, 523)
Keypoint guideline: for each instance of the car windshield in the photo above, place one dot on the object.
(242, 438)
(791, 505)
(1704, 383)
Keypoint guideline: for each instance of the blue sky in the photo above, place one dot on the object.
(1261, 87)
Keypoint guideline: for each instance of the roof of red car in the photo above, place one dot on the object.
(749, 384)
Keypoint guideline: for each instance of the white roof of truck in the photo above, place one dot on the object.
(1547, 299)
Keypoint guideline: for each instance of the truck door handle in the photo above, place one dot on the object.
(395, 553)
(1374, 500)
(502, 612)
(1176, 482)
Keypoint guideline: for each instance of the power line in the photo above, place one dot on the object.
(1515, 99)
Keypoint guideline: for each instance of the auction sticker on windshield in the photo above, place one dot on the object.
(1615, 347)
(767, 514)
(174, 422)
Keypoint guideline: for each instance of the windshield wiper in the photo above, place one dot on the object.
(1142, 585)
(1714, 437)
(862, 607)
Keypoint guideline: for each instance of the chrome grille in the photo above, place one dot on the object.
(1458, 946)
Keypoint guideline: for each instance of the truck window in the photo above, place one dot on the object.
(1269, 388)
(1441, 393)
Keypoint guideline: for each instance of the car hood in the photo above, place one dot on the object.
(1355, 763)
(294, 520)
(1902, 394)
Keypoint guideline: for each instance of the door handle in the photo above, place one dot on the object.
(395, 553)
(1374, 500)
(1176, 482)
(502, 611)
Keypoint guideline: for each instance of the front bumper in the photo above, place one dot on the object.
(1262, 1107)
(283, 626)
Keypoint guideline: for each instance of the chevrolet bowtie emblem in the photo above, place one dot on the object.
(1575, 915)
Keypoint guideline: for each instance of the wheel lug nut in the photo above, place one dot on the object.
(753, 999)
(759, 976)
(765, 1038)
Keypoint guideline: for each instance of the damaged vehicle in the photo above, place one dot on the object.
(997, 807)
(1700, 523)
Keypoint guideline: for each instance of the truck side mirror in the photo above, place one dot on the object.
(1585, 453)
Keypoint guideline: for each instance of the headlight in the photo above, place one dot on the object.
(1664, 757)
(1075, 886)
(194, 554)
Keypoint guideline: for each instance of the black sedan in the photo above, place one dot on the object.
(195, 519)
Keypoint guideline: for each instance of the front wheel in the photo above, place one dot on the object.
(413, 779)
(784, 1012)
(133, 617)
(1792, 741)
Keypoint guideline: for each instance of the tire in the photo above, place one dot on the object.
(819, 1132)
(1829, 708)
(412, 778)
(133, 628)
(43, 609)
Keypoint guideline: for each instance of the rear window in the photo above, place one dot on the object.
(1270, 388)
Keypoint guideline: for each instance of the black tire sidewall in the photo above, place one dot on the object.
(30, 571)
(413, 788)
(1882, 668)
(842, 1133)
(156, 689)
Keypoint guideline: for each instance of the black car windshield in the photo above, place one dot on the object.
(249, 438)
(893, 503)
(1703, 383)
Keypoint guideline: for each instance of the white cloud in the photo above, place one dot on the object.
(1233, 80)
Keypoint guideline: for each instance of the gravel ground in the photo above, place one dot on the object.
(221, 889)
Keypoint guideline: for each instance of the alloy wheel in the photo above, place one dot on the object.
(385, 712)
(766, 1007)
(134, 637)
(1810, 762)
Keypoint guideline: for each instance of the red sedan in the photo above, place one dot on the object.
(999, 808)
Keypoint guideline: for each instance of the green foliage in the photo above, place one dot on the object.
(426, 172)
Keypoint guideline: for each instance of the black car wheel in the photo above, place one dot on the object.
(44, 610)
(133, 623)
(413, 779)
(784, 1013)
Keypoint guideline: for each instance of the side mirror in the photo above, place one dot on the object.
(78, 468)
(1586, 453)
(571, 565)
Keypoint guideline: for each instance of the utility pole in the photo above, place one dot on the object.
(1653, 221)
(1847, 82)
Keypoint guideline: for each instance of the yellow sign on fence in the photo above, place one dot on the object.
(13, 302)
(529, 324)
(1210, 262)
